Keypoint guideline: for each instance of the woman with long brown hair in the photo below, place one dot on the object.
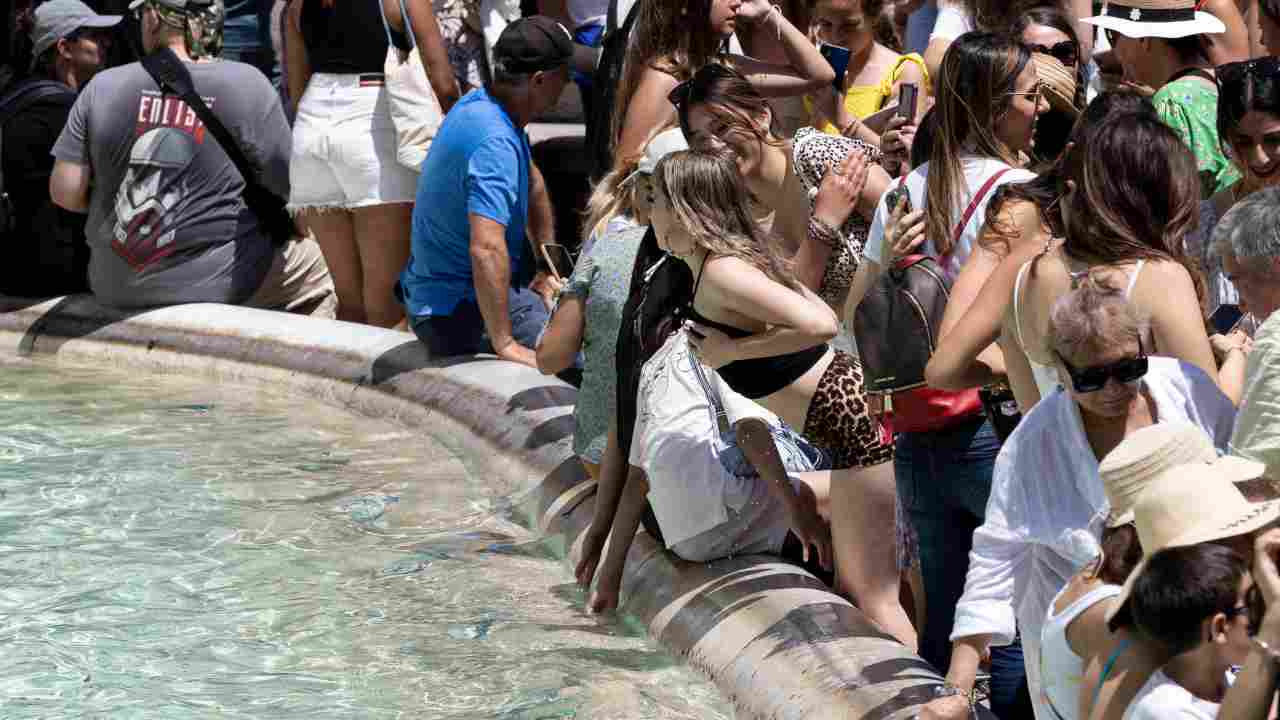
(988, 101)
(673, 38)
(816, 191)
(766, 334)
(1127, 196)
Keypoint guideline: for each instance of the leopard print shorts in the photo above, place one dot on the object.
(840, 422)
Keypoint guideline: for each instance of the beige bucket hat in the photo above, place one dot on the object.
(1059, 83)
(1144, 456)
(1156, 18)
(1192, 504)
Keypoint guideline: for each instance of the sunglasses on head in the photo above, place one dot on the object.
(1236, 73)
(1066, 52)
(706, 74)
(1093, 379)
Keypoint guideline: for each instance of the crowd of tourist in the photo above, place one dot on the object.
(1079, 488)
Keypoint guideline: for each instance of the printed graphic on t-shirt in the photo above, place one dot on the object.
(153, 194)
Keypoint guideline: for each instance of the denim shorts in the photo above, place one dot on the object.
(344, 147)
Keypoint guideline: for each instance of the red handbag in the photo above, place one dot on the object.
(926, 409)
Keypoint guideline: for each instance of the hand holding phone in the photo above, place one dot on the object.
(559, 260)
(908, 97)
(838, 58)
(898, 195)
(1224, 319)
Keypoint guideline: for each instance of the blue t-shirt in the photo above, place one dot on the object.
(478, 163)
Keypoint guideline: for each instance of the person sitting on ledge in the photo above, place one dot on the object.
(723, 475)
(168, 223)
(473, 205)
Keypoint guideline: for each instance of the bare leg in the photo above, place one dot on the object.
(382, 237)
(335, 234)
(864, 531)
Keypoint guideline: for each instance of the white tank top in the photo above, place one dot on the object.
(1046, 376)
(1061, 670)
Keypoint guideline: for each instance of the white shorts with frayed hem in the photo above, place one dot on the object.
(344, 147)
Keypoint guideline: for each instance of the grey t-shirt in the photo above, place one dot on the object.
(167, 219)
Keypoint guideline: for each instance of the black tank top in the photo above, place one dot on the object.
(758, 377)
(347, 38)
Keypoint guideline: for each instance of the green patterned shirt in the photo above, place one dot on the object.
(1190, 107)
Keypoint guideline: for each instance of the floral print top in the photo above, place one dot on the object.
(601, 279)
(1190, 107)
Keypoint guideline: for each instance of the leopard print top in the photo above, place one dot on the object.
(813, 153)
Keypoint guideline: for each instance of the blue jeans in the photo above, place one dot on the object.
(944, 478)
(462, 332)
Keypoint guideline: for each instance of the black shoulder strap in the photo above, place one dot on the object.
(171, 75)
(31, 93)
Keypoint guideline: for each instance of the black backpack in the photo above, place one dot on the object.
(15, 101)
(604, 91)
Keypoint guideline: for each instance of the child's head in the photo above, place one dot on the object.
(848, 23)
(1195, 600)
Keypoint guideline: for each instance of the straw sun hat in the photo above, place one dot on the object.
(1143, 457)
(1059, 83)
(1192, 503)
(1167, 19)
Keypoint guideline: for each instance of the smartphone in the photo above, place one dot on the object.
(897, 195)
(838, 57)
(559, 260)
(908, 95)
(1225, 318)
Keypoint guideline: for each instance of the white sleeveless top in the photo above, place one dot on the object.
(1046, 376)
(1061, 670)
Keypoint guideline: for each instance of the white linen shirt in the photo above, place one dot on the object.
(1257, 433)
(1046, 509)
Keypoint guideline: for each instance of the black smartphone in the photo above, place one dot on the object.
(898, 195)
(559, 260)
(908, 95)
(838, 57)
(1224, 319)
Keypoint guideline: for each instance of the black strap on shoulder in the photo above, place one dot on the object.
(172, 76)
(29, 94)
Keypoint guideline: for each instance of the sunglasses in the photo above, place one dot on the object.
(1234, 74)
(1066, 52)
(1093, 379)
(705, 75)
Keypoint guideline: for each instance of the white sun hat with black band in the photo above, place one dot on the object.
(1168, 19)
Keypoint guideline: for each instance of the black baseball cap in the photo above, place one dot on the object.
(533, 44)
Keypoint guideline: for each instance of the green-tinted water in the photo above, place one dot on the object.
(173, 548)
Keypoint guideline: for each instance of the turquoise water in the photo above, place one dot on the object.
(177, 548)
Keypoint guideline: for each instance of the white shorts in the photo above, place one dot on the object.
(344, 147)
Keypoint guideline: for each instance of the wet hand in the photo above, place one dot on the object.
(954, 707)
(712, 347)
(592, 547)
(811, 529)
(841, 189)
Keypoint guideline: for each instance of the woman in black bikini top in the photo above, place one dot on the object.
(781, 359)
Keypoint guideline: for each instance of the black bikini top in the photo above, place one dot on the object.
(758, 377)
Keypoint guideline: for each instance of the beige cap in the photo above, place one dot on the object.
(1143, 456)
(1059, 83)
(1192, 504)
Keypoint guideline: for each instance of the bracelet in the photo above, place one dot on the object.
(823, 233)
(1268, 652)
(947, 689)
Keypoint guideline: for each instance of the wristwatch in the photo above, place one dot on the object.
(946, 689)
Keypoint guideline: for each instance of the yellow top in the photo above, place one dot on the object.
(864, 100)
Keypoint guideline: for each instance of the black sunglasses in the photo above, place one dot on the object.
(1066, 52)
(1093, 379)
(1236, 73)
(705, 75)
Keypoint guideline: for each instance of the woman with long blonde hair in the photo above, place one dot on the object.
(766, 334)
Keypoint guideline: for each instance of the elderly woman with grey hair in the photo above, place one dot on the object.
(1047, 506)
(1248, 240)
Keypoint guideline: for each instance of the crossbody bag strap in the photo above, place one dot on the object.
(709, 387)
(973, 204)
(169, 73)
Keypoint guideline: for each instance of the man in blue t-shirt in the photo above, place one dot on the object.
(473, 201)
